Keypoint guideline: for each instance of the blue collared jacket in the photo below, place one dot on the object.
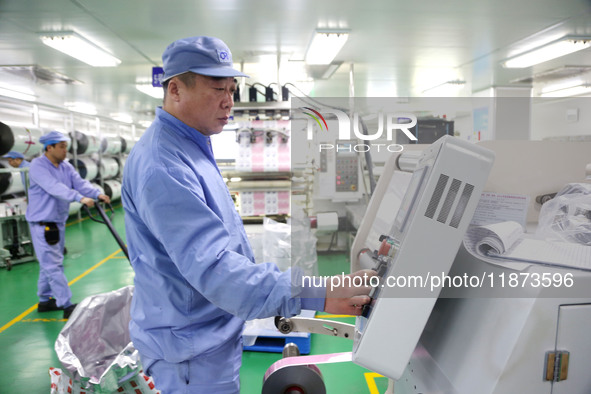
(196, 281)
(52, 189)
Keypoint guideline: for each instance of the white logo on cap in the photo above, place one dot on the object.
(224, 57)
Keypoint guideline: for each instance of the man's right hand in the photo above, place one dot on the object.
(89, 202)
(347, 294)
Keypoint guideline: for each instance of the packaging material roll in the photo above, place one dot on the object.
(113, 189)
(109, 167)
(10, 182)
(290, 376)
(86, 143)
(327, 222)
(123, 144)
(121, 164)
(87, 168)
(111, 145)
(20, 139)
(101, 190)
(127, 143)
(74, 208)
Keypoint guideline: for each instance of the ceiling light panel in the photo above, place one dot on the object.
(552, 50)
(81, 48)
(325, 46)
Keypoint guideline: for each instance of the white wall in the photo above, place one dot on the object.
(549, 117)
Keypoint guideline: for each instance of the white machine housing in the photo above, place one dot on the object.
(475, 344)
(428, 229)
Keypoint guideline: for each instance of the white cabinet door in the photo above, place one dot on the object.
(574, 336)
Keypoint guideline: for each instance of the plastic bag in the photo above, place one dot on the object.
(290, 245)
(567, 217)
(95, 350)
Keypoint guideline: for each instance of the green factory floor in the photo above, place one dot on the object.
(95, 264)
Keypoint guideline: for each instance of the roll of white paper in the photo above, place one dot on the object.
(327, 221)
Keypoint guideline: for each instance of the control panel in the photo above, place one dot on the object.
(338, 171)
(346, 168)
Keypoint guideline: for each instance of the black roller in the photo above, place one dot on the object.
(293, 379)
(302, 379)
(118, 165)
(5, 180)
(6, 139)
(82, 170)
(81, 142)
(123, 145)
(108, 190)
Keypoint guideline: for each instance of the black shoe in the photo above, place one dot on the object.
(48, 306)
(68, 311)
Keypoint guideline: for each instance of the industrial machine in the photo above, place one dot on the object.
(254, 157)
(438, 205)
(15, 240)
(513, 337)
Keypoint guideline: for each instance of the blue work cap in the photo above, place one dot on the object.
(53, 137)
(208, 56)
(14, 155)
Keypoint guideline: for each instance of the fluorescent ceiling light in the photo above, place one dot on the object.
(446, 88)
(150, 90)
(82, 108)
(567, 91)
(121, 117)
(73, 44)
(9, 91)
(325, 45)
(550, 51)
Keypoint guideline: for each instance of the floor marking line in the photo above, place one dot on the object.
(32, 308)
(82, 275)
(371, 383)
(18, 318)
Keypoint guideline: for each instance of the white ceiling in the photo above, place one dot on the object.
(397, 48)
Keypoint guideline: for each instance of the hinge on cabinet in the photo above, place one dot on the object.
(556, 366)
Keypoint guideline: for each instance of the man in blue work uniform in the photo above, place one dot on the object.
(53, 185)
(195, 277)
(17, 160)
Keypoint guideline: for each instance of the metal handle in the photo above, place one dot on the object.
(106, 220)
(314, 326)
